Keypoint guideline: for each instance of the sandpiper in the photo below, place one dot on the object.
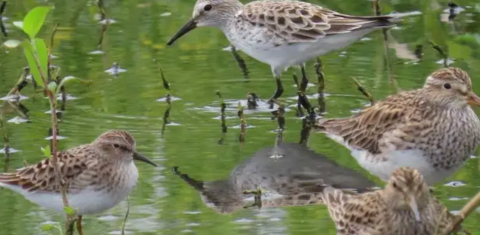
(99, 175)
(432, 129)
(282, 33)
(288, 174)
(405, 207)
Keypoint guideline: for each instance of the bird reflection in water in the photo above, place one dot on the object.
(288, 174)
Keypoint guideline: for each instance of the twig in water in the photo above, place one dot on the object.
(299, 106)
(464, 213)
(376, 8)
(21, 83)
(50, 48)
(252, 100)
(168, 97)
(321, 85)
(442, 53)
(223, 106)
(6, 145)
(364, 91)
(2, 10)
(243, 124)
(281, 124)
(240, 61)
(126, 216)
(419, 51)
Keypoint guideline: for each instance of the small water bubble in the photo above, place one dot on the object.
(449, 61)
(108, 218)
(108, 21)
(455, 184)
(239, 126)
(13, 97)
(457, 198)
(243, 221)
(173, 124)
(59, 137)
(68, 97)
(165, 14)
(115, 69)
(10, 150)
(172, 98)
(18, 120)
(96, 52)
(192, 212)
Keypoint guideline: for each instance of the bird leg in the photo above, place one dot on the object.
(79, 225)
(278, 92)
(240, 61)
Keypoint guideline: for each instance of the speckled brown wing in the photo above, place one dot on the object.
(41, 176)
(355, 214)
(304, 22)
(364, 130)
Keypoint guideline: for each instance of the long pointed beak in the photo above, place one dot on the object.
(473, 99)
(138, 156)
(413, 205)
(189, 26)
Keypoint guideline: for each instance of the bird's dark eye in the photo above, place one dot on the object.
(208, 7)
(394, 185)
(116, 146)
(447, 86)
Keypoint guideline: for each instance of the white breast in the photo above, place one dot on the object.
(87, 201)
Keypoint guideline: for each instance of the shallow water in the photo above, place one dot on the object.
(196, 67)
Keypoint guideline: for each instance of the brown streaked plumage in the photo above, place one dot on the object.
(405, 207)
(431, 129)
(282, 33)
(98, 175)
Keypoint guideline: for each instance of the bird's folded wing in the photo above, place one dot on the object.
(364, 130)
(304, 22)
(41, 176)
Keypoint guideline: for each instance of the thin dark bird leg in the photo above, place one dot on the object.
(240, 61)
(278, 92)
(79, 225)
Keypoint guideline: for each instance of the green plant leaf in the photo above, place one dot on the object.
(46, 151)
(33, 21)
(47, 227)
(42, 54)
(12, 43)
(65, 80)
(69, 210)
(32, 64)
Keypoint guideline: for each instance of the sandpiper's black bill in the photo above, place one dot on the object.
(189, 26)
(140, 157)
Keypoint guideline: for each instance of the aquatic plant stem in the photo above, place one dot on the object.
(464, 213)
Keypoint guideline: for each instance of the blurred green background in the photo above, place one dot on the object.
(196, 66)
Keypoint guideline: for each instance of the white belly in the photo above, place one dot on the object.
(384, 165)
(394, 160)
(88, 201)
(263, 48)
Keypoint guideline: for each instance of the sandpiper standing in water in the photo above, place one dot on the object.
(282, 33)
(98, 175)
(405, 207)
(432, 129)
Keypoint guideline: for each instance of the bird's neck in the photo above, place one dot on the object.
(228, 16)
